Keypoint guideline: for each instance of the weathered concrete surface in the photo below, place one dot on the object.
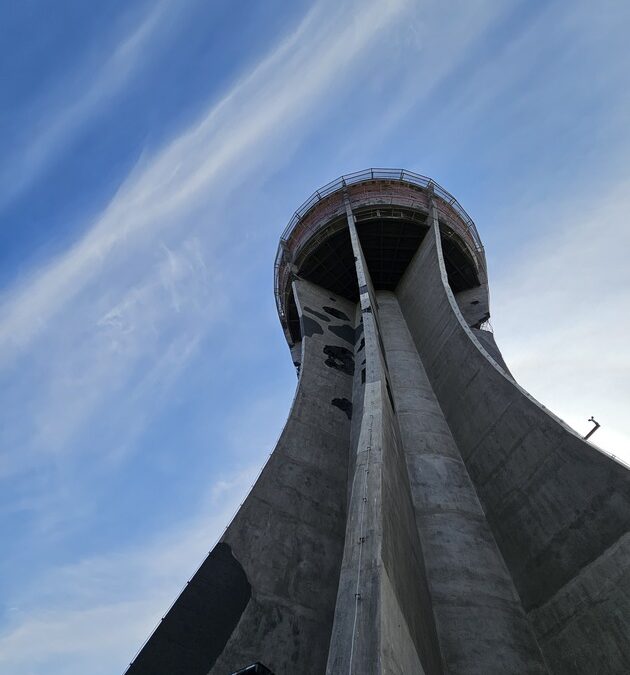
(474, 305)
(289, 533)
(193, 633)
(358, 391)
(486, 340)
(481, 625)
(595, 603)
(383, 619)
(555, 504)
(355, 642)
(287, 539)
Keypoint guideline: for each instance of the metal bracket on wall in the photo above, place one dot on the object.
(594, 429)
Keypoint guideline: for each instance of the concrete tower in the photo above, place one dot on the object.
(421, 513)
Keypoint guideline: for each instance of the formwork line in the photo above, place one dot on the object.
(357, 594)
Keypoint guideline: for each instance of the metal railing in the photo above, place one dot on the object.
(339, 184)
(381, 174)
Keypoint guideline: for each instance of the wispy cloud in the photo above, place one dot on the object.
(99, 310)
(278, 92)
(93, 615)
(559, 312)
(70, 109)
(134, 338)
(421, 67)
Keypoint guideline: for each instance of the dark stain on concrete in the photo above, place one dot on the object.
(310, 327)
(361, 345)
(197, 627)
(333, 299)
(345, 332)
(339, 358)
(319, 315)
(358, 331)
(363, 289)
(338, 314)
(343, 404)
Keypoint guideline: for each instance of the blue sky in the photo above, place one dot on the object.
(152, 155)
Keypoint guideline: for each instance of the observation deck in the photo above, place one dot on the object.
(391, 209)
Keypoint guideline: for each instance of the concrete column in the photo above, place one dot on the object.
(481, 625)
(558, 508)
(383, 618)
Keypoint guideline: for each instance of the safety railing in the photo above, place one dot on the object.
(381, 174)
(397, 175)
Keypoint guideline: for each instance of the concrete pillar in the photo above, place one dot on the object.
(383, 617)
(558, 508)
(481, 625)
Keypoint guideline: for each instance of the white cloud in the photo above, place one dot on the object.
(92, 616)
(69, 110)
(204, 159)
(137, 284)
(135, 348)
(560, 313)
(427, 50)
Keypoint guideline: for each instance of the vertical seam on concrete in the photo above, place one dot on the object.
(357, 594)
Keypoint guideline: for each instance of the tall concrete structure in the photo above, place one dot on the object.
(421, 513)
